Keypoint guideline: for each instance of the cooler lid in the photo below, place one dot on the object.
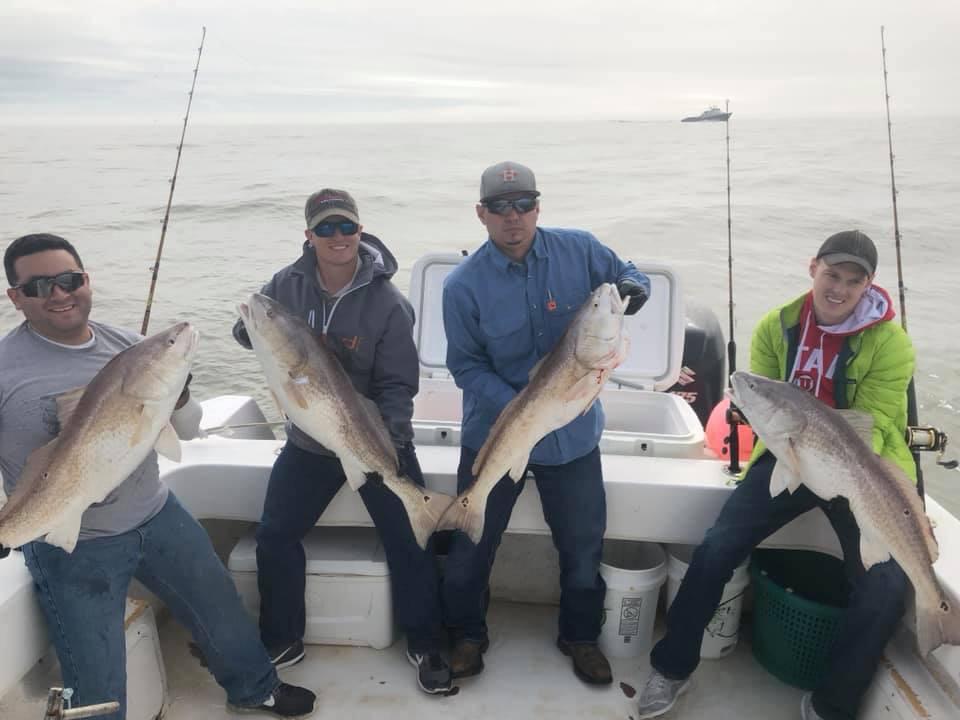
(329, 551)
(656, 331)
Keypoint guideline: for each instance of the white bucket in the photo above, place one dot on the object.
(634, 573)
(720, 637)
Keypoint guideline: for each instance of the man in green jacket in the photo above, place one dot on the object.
(839, 342)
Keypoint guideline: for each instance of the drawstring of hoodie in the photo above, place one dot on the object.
(326, 320)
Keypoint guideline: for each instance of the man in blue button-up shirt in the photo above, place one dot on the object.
(504, 308)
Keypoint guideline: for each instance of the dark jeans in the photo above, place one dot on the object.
(575, 508)
(302, 484)
(750, 515)
(83, 597)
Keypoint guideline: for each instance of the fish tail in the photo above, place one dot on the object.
(950, 618)
(467, 514)
(425, 508)
(938, 624)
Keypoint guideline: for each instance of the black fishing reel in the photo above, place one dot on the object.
(926, 438)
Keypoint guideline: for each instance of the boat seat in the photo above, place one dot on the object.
(219, 478)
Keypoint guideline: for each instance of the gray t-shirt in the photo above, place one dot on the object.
(33, 371)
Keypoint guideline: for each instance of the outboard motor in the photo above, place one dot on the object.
(703, 375)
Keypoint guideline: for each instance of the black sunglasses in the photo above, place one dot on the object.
(328, 229)
(502, 207)
(43, 286)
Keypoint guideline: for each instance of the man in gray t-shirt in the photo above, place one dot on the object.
(139, 530)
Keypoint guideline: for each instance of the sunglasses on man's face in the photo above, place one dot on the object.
(502, 207)
(328, 229)
(43, 286)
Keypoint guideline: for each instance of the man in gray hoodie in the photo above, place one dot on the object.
(341, 287)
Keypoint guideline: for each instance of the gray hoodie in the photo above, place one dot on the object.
(369, 327)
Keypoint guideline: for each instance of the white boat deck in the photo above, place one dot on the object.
(525, 677)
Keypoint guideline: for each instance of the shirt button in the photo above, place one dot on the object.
(534, 307)
(540, 334)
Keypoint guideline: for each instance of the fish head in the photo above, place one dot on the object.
(274, 331)
(157, 367)
(600, 325)
(776, 410)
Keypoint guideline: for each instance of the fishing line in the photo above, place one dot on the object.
(173, 184)
(732, 419)
(918, 437)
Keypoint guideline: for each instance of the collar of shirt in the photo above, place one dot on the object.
(538, 249)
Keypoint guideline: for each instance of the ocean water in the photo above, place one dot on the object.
(653, 191)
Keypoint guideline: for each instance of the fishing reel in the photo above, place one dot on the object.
(926, 438)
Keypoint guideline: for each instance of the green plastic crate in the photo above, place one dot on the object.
(794, 629)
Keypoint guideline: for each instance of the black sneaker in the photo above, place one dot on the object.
(287, 701)
(286, 656)
(433, 673)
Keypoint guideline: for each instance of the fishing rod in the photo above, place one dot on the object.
(919, 437)
(173, 184)
(732, 419)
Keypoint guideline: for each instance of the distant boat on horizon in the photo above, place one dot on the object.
(711, 113)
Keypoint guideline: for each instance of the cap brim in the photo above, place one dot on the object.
(329, 213)
(837, 258)
(532, 193)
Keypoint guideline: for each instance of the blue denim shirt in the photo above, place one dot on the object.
(501, 317)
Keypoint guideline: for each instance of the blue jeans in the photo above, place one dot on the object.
(302, 484)
(575, 508)
(83, 597)
(875, 607)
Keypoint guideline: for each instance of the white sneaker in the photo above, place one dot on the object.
(806, 708)
(659, 695)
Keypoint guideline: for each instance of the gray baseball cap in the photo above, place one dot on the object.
(850, 246)
(505, 178)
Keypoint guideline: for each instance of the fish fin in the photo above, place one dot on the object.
(518, 467)
(356, 475)
(861, 422)
(467, 513)
(424, 508)
(67, 404)
(168, 443)
(786, 472)
(871, 552)
(612, 360)
(580, 396)
(782, 479)
(293, 388)
(65, 535)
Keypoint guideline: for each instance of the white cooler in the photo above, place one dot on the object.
(348, 586)
(641, 419)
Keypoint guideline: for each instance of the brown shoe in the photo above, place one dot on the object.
(466, 659)
(588, 662)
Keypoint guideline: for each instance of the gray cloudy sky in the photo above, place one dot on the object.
(377, 60)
